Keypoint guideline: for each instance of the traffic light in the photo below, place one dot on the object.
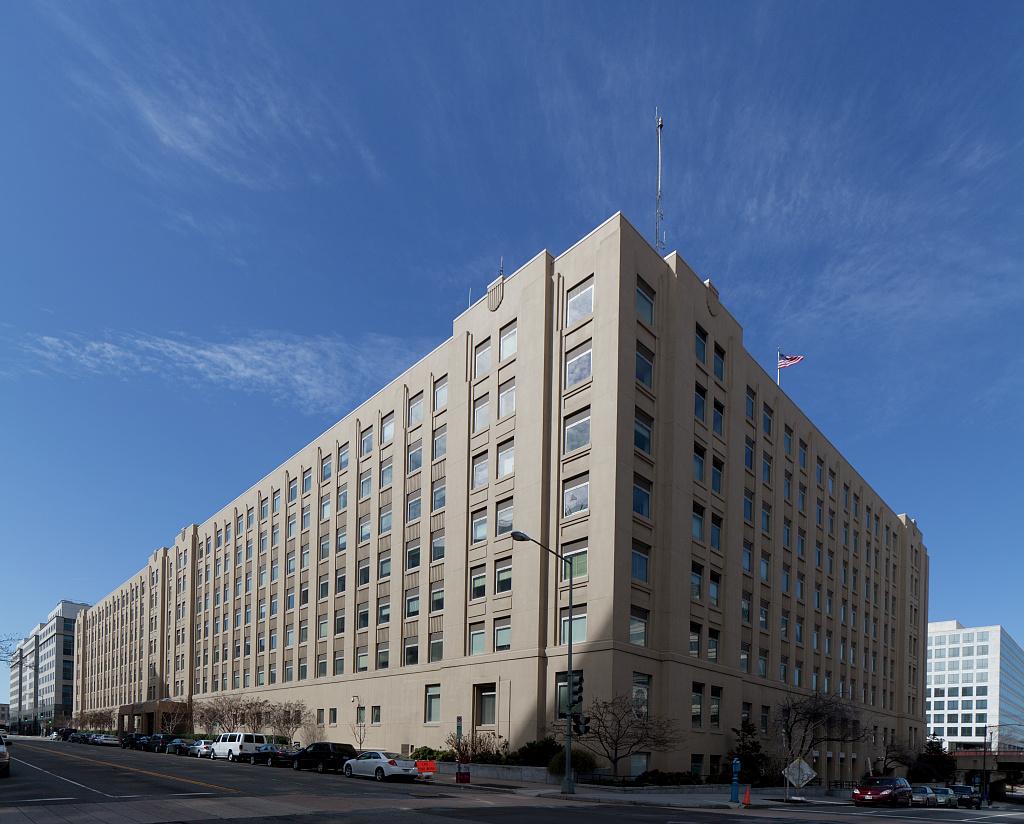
(580, 724)
(576, 691)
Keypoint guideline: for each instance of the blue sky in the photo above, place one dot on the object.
(206, 207)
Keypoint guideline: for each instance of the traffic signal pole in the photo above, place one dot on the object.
(568, 785)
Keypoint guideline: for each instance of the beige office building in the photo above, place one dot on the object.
(601, 401)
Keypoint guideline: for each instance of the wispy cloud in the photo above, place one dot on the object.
(233, 108)
(324, 374)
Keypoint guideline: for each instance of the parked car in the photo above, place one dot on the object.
(323, 756)
(895, 792)
(94, 738)
(381, 765)
(140, 742)
(237, 746)
(923, 795)
(5, 761)
(54, 736)
(966, 795)
(271, 755)
(77, 738)
(177, 746)
(200, 748)
(945, 797)
(108, 741)
(158, 742)
(66, 733)
(130, 739)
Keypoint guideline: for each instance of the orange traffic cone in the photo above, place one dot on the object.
(746, 797)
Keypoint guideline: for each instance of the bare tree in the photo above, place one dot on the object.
(7, 645)
(232, 711)
(804, 723)
(206, 716)
(621, 726)
(897, 754)
(255, 711)
(288, 716)
(174, 716)
(358, 733)
(476, 746)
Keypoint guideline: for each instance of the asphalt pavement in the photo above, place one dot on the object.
(55, 782)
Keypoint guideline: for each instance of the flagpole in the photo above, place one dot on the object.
(778, 369)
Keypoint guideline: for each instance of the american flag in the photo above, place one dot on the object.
(789, 360)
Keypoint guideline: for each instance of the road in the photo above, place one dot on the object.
(62, 783)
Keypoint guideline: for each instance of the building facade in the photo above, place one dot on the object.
(724, 553)
(42, 672)
(975, 687)
(5, 715)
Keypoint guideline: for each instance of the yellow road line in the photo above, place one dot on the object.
(131, 769)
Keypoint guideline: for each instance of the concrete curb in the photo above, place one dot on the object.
(649, 802)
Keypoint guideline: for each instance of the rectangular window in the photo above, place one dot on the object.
(481, 413)
(478, 532)
(577, 430)
(751, 403)
(767, 418)
(578, 364)
(507, 342)
(576, 496)
(502, 634)
(641, 496)
(437, 546)
(503, 517)
(387, 429)
(365, 484)
(437, 596)
(416, 410)
(414, 456)
(700, 345)
(441, 393)
(579, 625)
(642, 429)
(506, 459)
(477, 582)
(412, 605)
(640, 562)
(477, 639)
(717, 473)
(718, 419)
(644, 365)
(437, 495)
(696, 581)
(507, 398)
(366, 441)
(697, 523)
(386, 473)
(700, 401)
(699, 455)
(638, 619)
(644, 302)
(580, 302)
(480, 474)
(432, 704)
(482, 358)
(435, 651)
(413, 506)
(503, 576)
(715, 536)
(719, 366)
(574, 559)
(385, 519)
(440, 441)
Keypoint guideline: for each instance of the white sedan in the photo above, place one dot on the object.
(381, 765)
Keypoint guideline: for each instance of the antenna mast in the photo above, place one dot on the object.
(659, 215)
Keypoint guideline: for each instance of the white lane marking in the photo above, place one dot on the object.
(62, 778)
(32, 800)
(177, 794)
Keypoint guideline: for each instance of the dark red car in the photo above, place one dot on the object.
(878, 790)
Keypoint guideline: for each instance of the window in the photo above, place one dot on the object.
(577, 430)
(481, 413)
(482, 358)
(766, 468)
(325, 507)
(640, 562)
(503, 517)
(718, 419)
(502, 634)
(715, 589)
(435, 650)
(767, 419)
(580, 302)
(700, 345)
(384, 564)
(486, 704)
(574, 559)
(696, 581)
(366, 441)
(412, 604)
(699, 454)
(697, 707)
(507, 342)
(578, 364)
(477, 582)
(385, 519)
(717, 472)
(751, 403)
(437, 545)
(432, 704)
(325, 473)
(440, 441)
(387, 428)
(386, 473)
(576, 496)
(412, 651)
(803, 455)
(644, 302)
(437, 495)
(477, 642)
(506, 459)
(697, 523)
(700, 400)
(719, 365)
(383, 611)
(479, 471)
(365, 484)
(641, 496)
(713, 639)
(766, 516)
(644, 365)
(414, 456)
(413, 506)
(478, 532)
(441, 393)
(579, 625)
(293, 490)
(363, 572)
(364, 528)
(638, 619)
(715, 538)
(342, 497)
(503, 576)
(507, 398)
(642, 428)
(416, 409)
(437, 596)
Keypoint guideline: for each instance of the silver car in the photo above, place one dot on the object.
(381, 765)
(945, 797)
(5, 761)
(923, 795)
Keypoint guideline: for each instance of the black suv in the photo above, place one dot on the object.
(130, 740)
(158, 742)
(323, 756)
(966, 796)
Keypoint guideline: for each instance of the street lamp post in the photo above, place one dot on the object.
(568, 785)
(984, 759)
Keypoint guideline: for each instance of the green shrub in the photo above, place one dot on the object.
(424, 754)
(535, 753)
(582, 762)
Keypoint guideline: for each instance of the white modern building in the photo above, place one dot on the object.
(43, 670)
(975, 686)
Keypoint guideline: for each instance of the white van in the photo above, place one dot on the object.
(237, 746)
